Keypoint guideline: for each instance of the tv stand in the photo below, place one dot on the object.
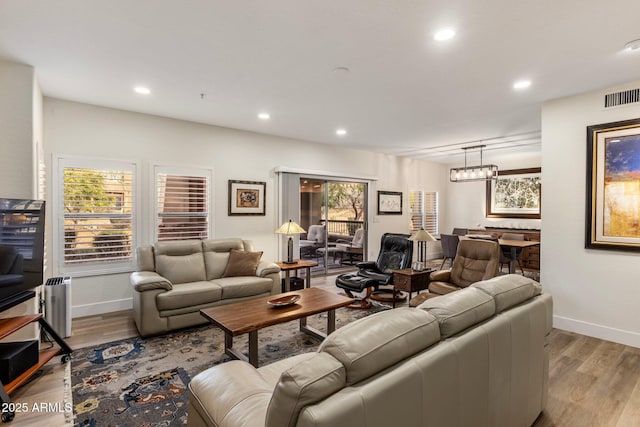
(13, 324)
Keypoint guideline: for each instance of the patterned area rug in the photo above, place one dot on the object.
(143, 382)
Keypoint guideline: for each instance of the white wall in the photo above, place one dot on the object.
(595, 292)
(466, 201)
(16, 130)
(84, 130)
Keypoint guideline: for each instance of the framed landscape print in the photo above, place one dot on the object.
(389, 203)
(514, 194)
(613, 186)
(246, 197)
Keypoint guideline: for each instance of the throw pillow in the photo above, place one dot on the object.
(242, 263)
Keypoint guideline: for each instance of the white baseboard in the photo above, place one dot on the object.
(597, 331)
(102, 307)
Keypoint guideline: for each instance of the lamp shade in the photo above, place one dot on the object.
(289, 228)
(422, 236)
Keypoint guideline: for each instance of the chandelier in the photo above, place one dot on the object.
(473, 173)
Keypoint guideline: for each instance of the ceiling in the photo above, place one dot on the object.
(403, 93)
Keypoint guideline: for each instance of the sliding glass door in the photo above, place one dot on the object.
(334, 214)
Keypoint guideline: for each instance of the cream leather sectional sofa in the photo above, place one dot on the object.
(475, 357)
(175, 279)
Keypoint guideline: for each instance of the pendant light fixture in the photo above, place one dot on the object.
(473, 173)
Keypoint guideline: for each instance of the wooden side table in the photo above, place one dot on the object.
(299, 264)
(409, 280)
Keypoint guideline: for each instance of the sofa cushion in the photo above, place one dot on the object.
(189, 295)
(216, 254)
(376, 342)
(509, 290)
(459, 310)
(243, 286)
(242, 263)
(304, 384)
(180, 261)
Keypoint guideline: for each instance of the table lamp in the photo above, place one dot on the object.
(290, 228)
(422, 237)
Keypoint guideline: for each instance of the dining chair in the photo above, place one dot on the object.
(449, 247)
(460, 231)
(505, 252)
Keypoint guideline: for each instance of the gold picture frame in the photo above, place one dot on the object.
(613, 186)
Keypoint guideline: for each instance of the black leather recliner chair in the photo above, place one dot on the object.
(396, 252)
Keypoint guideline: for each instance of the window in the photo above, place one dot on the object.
(95, 214)
(424, 211)
(182, 203)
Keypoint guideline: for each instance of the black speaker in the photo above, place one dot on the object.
(16, 358)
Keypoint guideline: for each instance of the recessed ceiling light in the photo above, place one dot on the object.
(522, 84)
(264, 116)
(444, 34)
(341, 132)
(632, 45)
(142, 90)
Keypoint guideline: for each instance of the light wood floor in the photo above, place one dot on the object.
(591, 382)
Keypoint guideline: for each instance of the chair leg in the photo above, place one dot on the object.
(443, 262)
(521, 269)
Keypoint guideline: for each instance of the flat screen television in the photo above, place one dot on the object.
(21, 249)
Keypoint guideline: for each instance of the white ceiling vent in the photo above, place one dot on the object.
(621, 98)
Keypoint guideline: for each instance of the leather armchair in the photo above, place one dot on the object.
(396, 252)
(475, 260)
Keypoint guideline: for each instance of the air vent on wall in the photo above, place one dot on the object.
(620, 98)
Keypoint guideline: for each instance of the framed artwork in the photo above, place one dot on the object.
(246, 197)
(613, 186)
(514, 194)
(389, 203)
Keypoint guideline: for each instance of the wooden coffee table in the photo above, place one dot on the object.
(252, 315)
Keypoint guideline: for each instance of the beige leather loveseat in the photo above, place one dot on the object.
(176, 279)
(476, 357)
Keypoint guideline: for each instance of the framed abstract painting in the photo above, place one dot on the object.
(613, 186)
(514, 193)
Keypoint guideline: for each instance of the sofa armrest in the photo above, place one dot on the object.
(232, 393)
(267, 267)
(147, 280)
(440, 276)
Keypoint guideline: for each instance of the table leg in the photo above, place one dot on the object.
(331, 321)
(287, 283)
(253, 348)
(308, 278)
(331, 326)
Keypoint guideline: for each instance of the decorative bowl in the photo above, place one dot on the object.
(284, 301)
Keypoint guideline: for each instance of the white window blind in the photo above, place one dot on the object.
(97, 211)
(424, 211)
(182, 205)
